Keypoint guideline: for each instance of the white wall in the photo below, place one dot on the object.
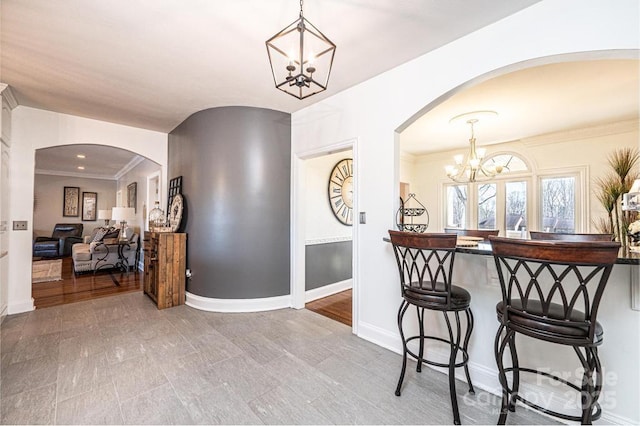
(371, 112)
(320, 221)
(48, 191)
(33, 129)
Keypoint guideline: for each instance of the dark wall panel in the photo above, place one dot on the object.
(236, 168)
(327, 264)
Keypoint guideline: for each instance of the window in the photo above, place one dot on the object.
(516, 205)
(558, 204)
(500, 204)
(507, 202)
(487, 206)
(456, 206)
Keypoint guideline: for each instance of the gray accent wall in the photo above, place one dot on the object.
(236, 169)
(327, 263)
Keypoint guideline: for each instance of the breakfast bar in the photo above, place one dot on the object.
(475, 271)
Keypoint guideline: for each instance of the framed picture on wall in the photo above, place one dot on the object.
(71, 201)
(132, 196)
(89, 205)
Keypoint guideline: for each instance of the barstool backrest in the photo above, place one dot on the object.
(556, 236)
(480, 233)
(554, 284)
(425, 262)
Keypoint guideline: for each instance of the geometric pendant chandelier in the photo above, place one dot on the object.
(301, 58)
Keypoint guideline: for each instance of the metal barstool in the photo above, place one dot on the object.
(551, 291)
(425, 263)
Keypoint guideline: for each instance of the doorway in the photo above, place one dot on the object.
(324, 273)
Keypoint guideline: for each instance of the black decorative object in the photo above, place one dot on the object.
(412, 208)
(175, 187)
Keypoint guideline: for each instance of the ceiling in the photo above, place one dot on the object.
(99, 161)
(531, 102)
(151, 64)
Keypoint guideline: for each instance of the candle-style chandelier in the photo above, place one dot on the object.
(474, 169)
(301, 58)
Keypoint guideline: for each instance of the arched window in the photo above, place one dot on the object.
(506, 201)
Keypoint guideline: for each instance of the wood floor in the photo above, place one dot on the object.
(337, 307)
(86, 286)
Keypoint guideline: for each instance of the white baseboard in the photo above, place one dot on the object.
(486, 378)
(18, 308)
(327, 290)
(237, 305)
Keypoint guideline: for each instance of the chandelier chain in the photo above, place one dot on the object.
(301, 8)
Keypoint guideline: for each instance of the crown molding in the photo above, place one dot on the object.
(129, 166)
(74, 174)
(583, 133)
(7, 95)
(407, 156)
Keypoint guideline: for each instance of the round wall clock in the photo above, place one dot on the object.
(341, 191)
(175, 212)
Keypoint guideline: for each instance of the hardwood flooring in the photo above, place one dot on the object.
(86, 286)
(337, 307)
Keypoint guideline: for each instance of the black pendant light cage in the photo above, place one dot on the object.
(301, 58)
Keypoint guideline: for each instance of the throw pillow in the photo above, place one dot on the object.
(100, 233)
(112, 233)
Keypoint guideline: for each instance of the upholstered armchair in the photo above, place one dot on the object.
(63, 237)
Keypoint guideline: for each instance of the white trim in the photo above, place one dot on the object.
(8, 96)
(583, 133)
(73, 174)
(129, 166)
(327, 290)
(328, 240)
(237, 305)
(18, 308)
(483, 377)
(151, 198)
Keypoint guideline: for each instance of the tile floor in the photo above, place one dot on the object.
(118, 360)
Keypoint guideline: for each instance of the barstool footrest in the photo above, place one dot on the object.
(595, 415)
(465, 355)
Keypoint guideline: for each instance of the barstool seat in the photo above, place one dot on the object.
(526, 320)
(460, 298)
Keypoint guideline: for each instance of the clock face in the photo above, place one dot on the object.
(175, 214)
(341, 191)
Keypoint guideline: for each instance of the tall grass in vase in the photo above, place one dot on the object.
(610, 188)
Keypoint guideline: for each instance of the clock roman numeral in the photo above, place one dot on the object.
(338, 203)
(336, 190)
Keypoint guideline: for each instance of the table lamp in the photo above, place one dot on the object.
(104, 215)
(122, 215)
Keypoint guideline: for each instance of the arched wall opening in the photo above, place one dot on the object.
(581, 131)
(33, 129)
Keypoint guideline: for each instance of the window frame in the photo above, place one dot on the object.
(533, 179)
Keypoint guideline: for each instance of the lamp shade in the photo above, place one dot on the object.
(123, 214)
(104, 214)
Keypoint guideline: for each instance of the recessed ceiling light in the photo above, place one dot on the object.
(81, 156)
(80, 167)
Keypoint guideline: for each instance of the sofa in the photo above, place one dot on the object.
(62, 238)
(102, 250)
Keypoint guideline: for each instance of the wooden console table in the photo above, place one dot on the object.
(165, 267)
